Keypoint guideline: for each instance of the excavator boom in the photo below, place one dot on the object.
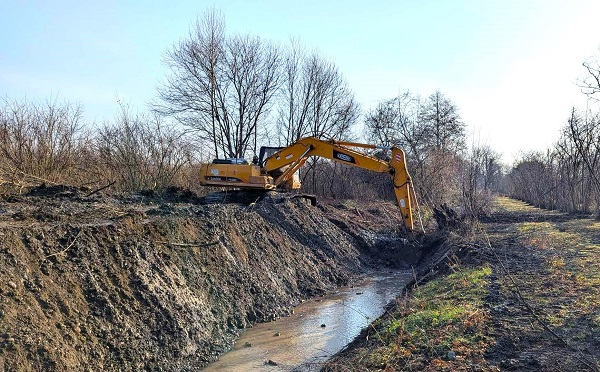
(292, 158)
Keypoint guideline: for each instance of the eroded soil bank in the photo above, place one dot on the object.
(167, 282)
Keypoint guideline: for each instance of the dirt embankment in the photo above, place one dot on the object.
(92, 283)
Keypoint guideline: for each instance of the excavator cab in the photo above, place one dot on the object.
(293, 183)
(266, 152)
(230, 161)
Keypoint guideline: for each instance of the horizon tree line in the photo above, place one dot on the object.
(225, 95)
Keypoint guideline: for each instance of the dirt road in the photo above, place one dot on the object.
(523, 293)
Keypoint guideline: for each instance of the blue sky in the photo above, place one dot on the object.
(509, 65)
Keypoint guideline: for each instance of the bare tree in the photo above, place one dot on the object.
(442, 123)
(585, 135)
(221, 86)
(252, 77)
(532, 179)
(315, 101)
(574, 189)
(566, 176)
(491, 168)
(315, 98)
(141, 152)
(481, 172)
(381, 123)
(432, 134)
(590, 83)
(293, 109)
(573, 193)
(42, 141)
(190, 90)
(395, 121)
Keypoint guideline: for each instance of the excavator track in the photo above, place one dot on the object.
(245, 197)
(248, 197)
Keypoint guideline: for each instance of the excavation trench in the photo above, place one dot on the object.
(167, 282)
(316, 330)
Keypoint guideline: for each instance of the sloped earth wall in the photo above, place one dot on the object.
(91, 283)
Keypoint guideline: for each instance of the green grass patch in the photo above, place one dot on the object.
(443, 315)
(510, 204)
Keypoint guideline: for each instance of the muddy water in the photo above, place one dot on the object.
(300, 342)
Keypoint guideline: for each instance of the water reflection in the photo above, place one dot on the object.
(299, 342)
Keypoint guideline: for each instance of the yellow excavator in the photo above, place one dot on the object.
(277, 168)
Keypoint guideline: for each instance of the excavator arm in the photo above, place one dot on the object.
(284, 163)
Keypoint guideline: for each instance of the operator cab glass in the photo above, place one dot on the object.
(266, 152)
(230, 161)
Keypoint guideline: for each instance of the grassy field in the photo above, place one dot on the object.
(525, 295)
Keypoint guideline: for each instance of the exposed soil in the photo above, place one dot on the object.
(167, 282)
(522, 293)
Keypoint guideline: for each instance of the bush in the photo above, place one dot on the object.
(40, 142)
(142, 152)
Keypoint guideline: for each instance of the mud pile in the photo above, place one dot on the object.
(90, 282)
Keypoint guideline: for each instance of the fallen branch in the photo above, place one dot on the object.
(190, 244)
(64, 250)
(100, 189)
(31, 176)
